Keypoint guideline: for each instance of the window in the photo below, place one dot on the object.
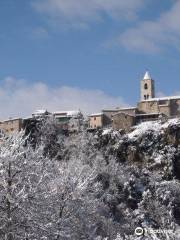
(145, 97)
(94, 118)
(95, 126)
(145, 86)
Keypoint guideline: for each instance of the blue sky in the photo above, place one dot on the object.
(93, 52)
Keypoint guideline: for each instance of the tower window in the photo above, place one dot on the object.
(145, 97)
(145, 86)
(148, 96)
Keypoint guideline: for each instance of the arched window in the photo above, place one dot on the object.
(148, 96)
(145, 86)
(145, 97)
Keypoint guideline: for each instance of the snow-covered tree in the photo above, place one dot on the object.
(95, 186)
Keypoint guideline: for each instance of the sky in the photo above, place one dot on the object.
(85, 54)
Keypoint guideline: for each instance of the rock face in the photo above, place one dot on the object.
(150, 157)
(150, 145)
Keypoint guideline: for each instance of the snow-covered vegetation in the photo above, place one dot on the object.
(94, 186)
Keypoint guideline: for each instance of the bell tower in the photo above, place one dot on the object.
(147, 87)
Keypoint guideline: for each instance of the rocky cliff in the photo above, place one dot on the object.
(144, 187)
(137, 175)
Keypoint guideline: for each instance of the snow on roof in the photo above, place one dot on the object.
(73, 113)
(67, 113)
(95, 114)
(147, 114)
(128, 108)
(111, 110)
(40, 111)
(60, 112)
(11, 119)
(162, 98)
(27, 117)
(147, 76)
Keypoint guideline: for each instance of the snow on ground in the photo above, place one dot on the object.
(155, 126)
(142, 128)
(106, 131)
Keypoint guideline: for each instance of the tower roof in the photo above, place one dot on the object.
(147, 76)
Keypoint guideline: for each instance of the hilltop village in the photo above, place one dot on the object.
(149, 108)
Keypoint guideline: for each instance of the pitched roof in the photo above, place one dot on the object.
(147, 76)
(96, 114)
(161, 98)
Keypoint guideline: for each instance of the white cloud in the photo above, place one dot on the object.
(154, 36)
(82, 12)
(160, 94)
(19, 98)
(40, 32)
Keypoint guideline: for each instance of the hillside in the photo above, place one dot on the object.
(100, 185)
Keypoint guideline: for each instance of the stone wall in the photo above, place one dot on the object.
(130, 111)
(123, 121)
(108, 115)
(96, 121)
(150, 88)
(165, 109)
(169, 107)
(175, 107)
(11, 125)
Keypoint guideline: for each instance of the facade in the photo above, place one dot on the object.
(64, 116)
(147, 87)
(11, 125)
(69, 120)
(131, 110)
(123, 120)
(108, 116)
(96, 120)
(170, 106)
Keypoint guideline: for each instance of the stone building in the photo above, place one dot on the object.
(69, 120)
(11, 125)
(148, 108)
(96, 120)
(123, 120)
(105, 118)
(169, 106)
